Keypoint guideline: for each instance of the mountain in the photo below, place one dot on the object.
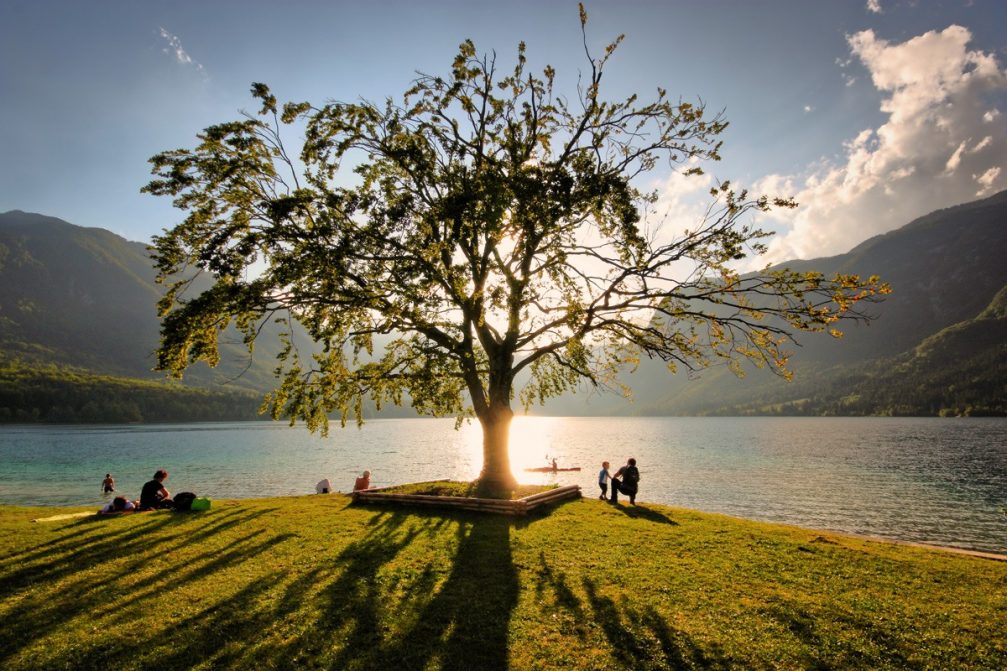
(86, 298)
(947, 272)
(56, 394)
(960, 370)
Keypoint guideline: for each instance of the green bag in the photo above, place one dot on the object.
(200, 503)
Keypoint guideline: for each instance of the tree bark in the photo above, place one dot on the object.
(496, 479)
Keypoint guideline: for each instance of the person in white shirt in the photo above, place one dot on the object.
(119, 504)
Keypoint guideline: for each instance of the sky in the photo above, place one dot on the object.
(869, 112)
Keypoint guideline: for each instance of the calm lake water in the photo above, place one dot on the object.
(938, 481)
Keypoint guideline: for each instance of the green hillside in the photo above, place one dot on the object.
(959, 371)
(86, 298)
(60, 394)
(75, 296)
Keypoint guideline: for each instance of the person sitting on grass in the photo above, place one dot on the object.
(154, 496)
(119, 504)
(363, 482)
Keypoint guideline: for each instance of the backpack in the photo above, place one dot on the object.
(183, 500)
(632, 476)
(200, 503)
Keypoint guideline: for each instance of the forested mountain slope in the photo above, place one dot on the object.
(933, 347)
(86, 298)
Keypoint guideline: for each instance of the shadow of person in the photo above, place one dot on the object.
(649, 514)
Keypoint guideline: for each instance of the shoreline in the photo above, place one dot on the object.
(981, 554)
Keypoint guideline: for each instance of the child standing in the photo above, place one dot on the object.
(603, 478)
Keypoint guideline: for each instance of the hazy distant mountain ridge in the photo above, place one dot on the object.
(946, 270)
(75, 295)
(944, 267)
(86, 298)
(960, 370)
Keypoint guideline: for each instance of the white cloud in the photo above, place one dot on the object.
(175, 50)
(809, 108)
(987, 180)
(936, 95)
(982, 144)
(682, 202)
(874, 6)
(956, 159)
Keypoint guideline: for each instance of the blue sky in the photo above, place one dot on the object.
(871, 112)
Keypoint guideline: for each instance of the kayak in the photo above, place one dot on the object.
(550, 469)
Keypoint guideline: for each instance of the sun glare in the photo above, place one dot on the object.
(531, 445)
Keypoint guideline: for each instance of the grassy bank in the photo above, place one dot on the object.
(460, 489)
(311, 582)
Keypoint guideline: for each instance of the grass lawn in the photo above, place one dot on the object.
(312, 582)
(455, 488)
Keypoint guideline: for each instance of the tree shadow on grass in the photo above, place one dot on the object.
(470, 613)
(452, 616)
(75, 553)
(637, 635)
(61, 539)
(417, 591)
(118, 554)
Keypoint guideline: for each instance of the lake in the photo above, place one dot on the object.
(940, 481)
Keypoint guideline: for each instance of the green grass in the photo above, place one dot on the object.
(455, 488)
(313, 582)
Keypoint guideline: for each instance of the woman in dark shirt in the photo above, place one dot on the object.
(154, 495)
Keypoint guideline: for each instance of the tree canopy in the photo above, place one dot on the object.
(494, 228)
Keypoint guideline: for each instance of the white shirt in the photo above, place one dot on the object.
(110, 508)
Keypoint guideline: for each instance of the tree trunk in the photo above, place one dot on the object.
(496, 478)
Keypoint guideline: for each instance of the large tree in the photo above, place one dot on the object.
(493, 230)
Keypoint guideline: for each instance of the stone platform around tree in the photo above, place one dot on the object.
(518, 507)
